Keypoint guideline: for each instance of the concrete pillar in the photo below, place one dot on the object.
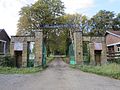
(38, 47)
(78, 42)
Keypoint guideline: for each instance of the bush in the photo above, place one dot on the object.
(7, 61)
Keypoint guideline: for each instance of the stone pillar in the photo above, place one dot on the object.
(92, 54)
(38, 47)
(11, 48)
(24, 54)
(78, 42)
(104, 53)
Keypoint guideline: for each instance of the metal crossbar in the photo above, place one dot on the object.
(60, 26)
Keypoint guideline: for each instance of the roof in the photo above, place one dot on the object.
(1, 30)
(5, 32)
(114, 33)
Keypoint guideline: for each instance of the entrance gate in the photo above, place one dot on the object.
(72, 54)
(71, 46)
(44, 55)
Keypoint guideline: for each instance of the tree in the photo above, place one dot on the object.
(40, 13)
(116, 22)
(72, 19)
(102, 21)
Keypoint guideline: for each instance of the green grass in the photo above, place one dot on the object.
(9, 70)
(111, 70)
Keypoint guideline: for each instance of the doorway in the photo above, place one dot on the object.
(18, 58)
(97, 57)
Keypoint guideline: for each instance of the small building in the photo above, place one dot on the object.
(27, 49)
(113, 44)
(4, 42)
(90, 49)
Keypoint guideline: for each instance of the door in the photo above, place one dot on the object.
(18, 58)
(97, 57)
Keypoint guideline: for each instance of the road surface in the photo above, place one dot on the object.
(58, 76)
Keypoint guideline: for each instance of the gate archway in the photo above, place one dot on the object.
(71, 45)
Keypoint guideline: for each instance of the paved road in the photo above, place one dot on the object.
(58, 77)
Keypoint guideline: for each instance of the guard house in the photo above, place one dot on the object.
(27, 49)
(89, 49)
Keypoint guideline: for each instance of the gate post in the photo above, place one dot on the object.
(78, 46)
(38, 47)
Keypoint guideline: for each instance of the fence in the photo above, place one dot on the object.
(113, 57)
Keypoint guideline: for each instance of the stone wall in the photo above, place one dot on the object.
(78, 41)
(24, 40)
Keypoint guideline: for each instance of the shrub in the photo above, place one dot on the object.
(7, 61)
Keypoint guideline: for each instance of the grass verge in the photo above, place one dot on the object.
(111, 70)
(9, 70)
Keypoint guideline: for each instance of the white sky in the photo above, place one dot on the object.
(9, 11)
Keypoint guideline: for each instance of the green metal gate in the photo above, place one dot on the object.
(71, 54)
(43, 54)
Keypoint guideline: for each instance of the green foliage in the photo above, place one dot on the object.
(9, 70)
(40, 13)
(7, 61)
(102, 21)
(116, 22)
(111, 70)
(115, 60)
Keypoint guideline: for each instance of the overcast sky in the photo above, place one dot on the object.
(9, 10)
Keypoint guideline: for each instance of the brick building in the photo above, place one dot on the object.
(113, 41)
(113, 45)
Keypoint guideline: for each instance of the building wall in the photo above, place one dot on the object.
(24, 40)
(38, 38)
(78, 41)
(93, 40)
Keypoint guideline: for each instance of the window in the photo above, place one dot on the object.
(111, 49)
(118, 49)
(2, 47)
